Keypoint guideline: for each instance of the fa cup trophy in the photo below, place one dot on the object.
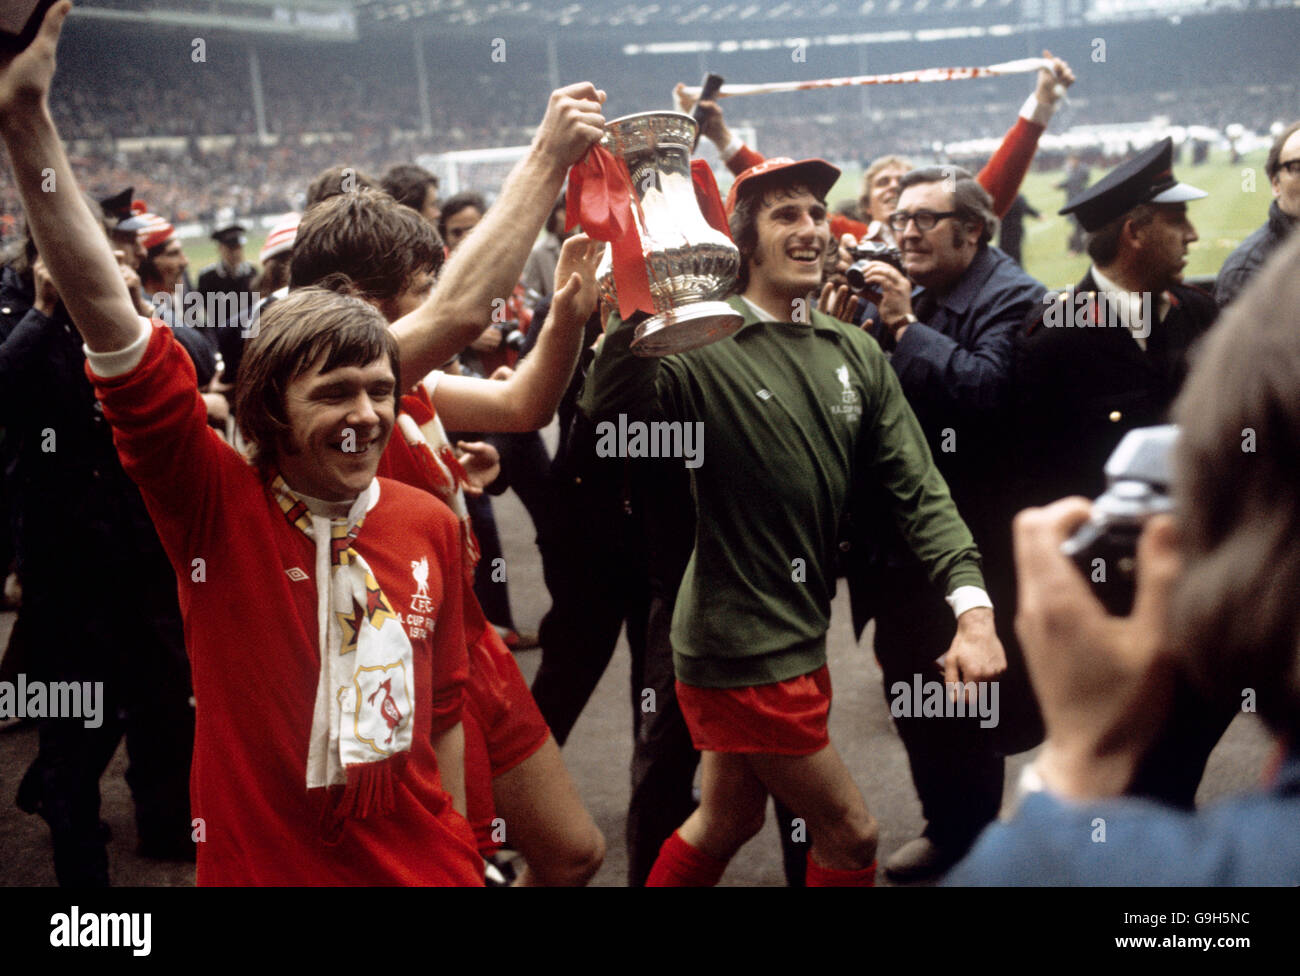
(689, 264)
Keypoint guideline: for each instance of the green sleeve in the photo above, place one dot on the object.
(620, 381)
(899, 459)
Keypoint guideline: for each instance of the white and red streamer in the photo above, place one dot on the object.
(1022, 66)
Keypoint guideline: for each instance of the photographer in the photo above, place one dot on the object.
(1215, 602)
(948, 316)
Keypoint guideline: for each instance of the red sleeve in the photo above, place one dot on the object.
(1003, 174)
(841, 225)
(160, 428)
(450, 658)
(744, 158)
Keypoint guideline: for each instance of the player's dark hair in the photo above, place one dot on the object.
(336, 180)
(368, 236)
(408, 184)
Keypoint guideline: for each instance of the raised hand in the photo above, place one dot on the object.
(573, 121)
(575, 278)
(1052, 84)
(25, 77)
(710, 116)
(482, 464)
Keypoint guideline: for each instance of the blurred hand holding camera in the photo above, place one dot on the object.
(1103, 682)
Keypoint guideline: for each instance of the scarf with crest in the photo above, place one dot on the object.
(362, 721)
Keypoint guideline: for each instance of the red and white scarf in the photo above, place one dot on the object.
(364, 713)
(443, 475)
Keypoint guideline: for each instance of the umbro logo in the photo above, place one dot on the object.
(295, 574)
(764, 394)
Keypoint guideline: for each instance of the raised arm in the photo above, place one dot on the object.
(1004, 173)
(527, 400)
(489, 261)
(71, 241)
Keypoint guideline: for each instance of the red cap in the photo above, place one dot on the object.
(817, 173)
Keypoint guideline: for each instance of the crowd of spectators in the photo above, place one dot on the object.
(250, 179)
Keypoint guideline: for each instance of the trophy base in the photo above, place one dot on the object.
(685, 328)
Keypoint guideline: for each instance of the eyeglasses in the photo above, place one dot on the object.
(1292, 166)
(925, 219)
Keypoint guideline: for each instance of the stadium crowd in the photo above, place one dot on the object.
(262, 461)
(371, 107)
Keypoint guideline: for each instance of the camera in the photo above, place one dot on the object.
(864, 254)
(512, 337)
(1138, 476)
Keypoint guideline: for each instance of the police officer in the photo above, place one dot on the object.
(1110, 355)
(229, 277)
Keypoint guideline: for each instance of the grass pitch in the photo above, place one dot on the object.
(1223, 219)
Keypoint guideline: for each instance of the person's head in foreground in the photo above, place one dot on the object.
(1216, 599)
(390, 253)
(1235, 608)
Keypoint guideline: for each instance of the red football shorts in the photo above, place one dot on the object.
(787, 718)
(503, 727)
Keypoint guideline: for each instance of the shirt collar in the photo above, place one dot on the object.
(1130, 304)
(753, 315)
(970, 284)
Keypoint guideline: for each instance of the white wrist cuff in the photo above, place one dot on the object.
(968, 598)
(1036, 112)
(730, 149)
(119, 362)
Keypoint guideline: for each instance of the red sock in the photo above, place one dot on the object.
(680, 865)
(820, 877)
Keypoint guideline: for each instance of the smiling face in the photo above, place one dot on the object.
(935, 258)
(793, 238)
(339, 422)
(881, 195)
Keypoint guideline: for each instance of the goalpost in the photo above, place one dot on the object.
(472, 169)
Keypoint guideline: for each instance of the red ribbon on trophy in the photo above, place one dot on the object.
(600, 199)
(708, 197)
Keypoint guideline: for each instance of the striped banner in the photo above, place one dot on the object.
(1023, 66)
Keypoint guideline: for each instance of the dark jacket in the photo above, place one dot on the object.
(1080, 390)
(1242, 263)
(954, 365)
(79, 511)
